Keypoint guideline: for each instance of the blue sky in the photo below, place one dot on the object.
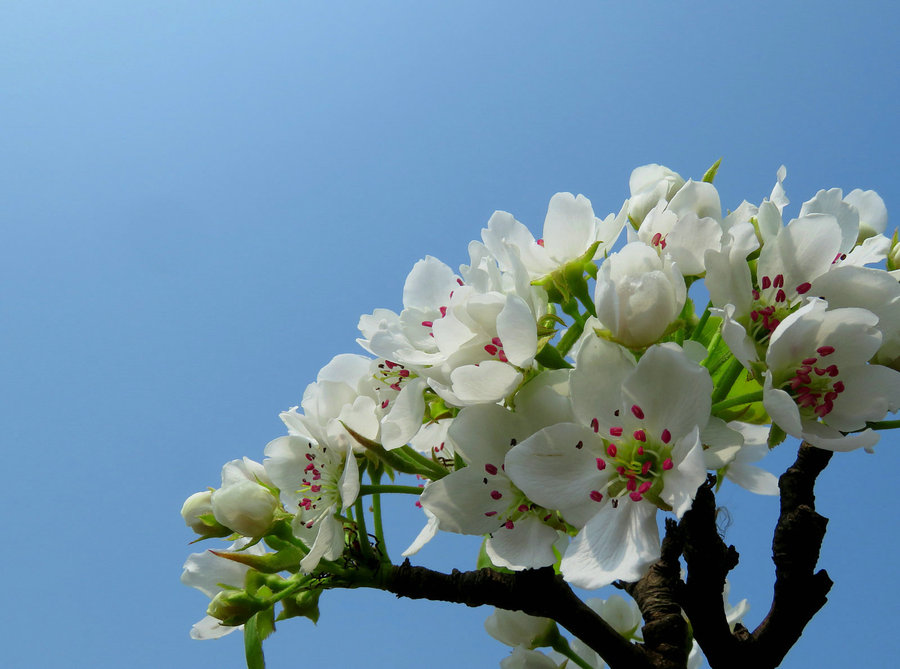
(198, 200)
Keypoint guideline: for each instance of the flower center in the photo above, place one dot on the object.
(319, 483)
(639, 461)
(771, 304)
(815, 384)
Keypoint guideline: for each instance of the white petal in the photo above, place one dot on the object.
(554, 472)
(428, 285)
(617, 544)
(529, 545)
(753, 478)
(681, 483)
(425, 535)
(463, 500)
(405, 416)
(569, 228)
(517, 330)
(489, 381)
(211, 628)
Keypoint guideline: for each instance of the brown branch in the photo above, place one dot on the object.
(665, 630)
(537, 592)
(799, 591)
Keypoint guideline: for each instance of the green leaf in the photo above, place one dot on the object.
(484, 561)
(776, 436)
(287, 559)
(260, 626)
(550, 358)
(710, 174)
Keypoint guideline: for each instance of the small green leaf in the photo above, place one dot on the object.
(776, 436)
(550, 358)
(260, 626)
(710, 174)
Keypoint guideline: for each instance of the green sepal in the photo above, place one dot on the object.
(891, 262)
(776, 436)
(304, 604)
(550, 358)
(484, 560)
(569, 281)
(287, 559)
(234, 607)
(710, 174)
(256, 630)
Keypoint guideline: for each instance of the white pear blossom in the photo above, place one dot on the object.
(480, 499)
(636, 448)
(684, 228)
(648, 185)
(523, 658)
(735, 460)
(819, 384)
(570, 229)
(316, 481)
(243, 503)
(638, 294)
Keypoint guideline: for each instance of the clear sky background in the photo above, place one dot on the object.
(198, 200)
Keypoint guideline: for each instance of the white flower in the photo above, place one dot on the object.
(861, 215)
(638, 295)
(480, 499)
(648, 185)
(736, 459)
(819, 385)
(871, 289)
(684, 228)
(194, 506)
(242, 504)
(210, 574)
(315, 482)
(641, 451)
(570, 229)
(788, 263)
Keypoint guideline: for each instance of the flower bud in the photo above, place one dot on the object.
(245, 507)
(893, 259)
(197, 512)
(638, 294)
(233, 607)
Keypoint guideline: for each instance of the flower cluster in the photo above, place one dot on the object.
(554, 395)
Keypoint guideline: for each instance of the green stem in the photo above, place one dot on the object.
(560, 645)
(698, 329)
(365, 548)
(882, 425)
(755, 396)
(379, 528)
(574, 331)
(367, 489)
(727, 381)
(435, 471)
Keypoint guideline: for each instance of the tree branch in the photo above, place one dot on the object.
(799, 592)
(537, 592)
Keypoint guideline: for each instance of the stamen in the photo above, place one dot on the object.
(611, 450)
(637, 411)
(508, 524)
(496, 494)
(595, 424)
(601, 464)
(668, 464)
(803, 288)
(579, 445)
(596, 495)
(490, 469)
(666, 436)
(640, 435)
(615, 431)
(825, 350)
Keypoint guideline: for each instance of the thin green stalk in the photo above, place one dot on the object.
(698, 329)
(755, 396)
(560, 645)
(365, 548)
(727, 380)
(882, 425)
(379, 528)
(367, 489)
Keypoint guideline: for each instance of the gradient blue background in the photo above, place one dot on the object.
(198, 200)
